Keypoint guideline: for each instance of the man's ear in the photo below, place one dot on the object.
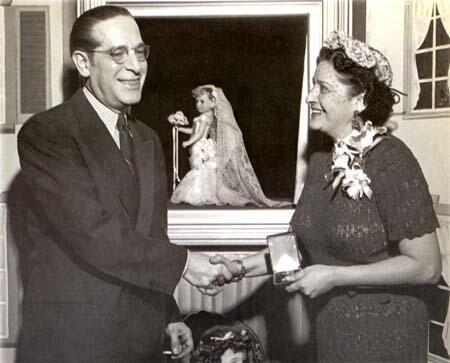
(82, 63)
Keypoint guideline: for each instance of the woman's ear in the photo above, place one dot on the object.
(359, 102)
(82, 63)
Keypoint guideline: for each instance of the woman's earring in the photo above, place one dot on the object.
(357, 122)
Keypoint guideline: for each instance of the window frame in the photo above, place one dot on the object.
(410, 53)
(315, 10)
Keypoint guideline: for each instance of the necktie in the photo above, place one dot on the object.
(126, 142)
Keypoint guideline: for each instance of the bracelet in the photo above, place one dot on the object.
(239, 277)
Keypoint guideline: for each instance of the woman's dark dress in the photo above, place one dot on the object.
(357, 324)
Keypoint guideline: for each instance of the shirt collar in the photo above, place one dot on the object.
(107, 115)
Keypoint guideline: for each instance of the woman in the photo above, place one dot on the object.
(221, 172)
(365, 220)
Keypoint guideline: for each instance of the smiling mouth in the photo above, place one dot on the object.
(316, 112)
(131, 83)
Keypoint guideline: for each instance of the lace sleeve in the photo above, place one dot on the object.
(401, 191)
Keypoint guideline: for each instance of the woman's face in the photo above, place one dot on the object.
(332, 106)
(229, 356)
(203, 103)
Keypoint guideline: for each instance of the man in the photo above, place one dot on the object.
(100, 270)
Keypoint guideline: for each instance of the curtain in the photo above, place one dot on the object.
(422, 10)
(444, 9)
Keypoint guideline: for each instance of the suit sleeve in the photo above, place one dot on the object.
(91, 235)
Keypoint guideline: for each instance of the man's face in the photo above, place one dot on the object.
(117, 85)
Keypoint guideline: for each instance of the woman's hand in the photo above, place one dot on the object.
(185, 144)
(313, 280)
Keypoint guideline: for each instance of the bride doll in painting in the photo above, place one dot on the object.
(221, 172)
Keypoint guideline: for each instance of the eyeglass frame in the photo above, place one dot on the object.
(126, 51)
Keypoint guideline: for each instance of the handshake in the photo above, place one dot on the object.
(209, 274)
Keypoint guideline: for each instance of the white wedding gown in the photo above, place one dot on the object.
(199, 186)
(221, 172)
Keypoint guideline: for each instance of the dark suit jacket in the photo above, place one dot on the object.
(98, 268)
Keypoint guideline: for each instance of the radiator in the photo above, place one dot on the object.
(269, 311)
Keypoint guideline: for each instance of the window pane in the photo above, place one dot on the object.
(428, 41)
(438, 309)
(442, 37)
(436, 343)
(442, 62)
(442, 98)
(424, 97)
(425, 65)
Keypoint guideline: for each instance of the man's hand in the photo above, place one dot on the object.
(206, 276)
(232, 266)
(181, 342)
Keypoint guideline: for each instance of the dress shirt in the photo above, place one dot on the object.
(108, 116)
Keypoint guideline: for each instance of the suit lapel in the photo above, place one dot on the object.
(102, 148)
(145, 166)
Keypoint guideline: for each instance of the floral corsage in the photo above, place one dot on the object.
(349, 156)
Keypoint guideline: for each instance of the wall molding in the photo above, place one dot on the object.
(226, 227)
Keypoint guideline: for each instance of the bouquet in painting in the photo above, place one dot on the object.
(178, 119)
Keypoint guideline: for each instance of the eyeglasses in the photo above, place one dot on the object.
(120, 54)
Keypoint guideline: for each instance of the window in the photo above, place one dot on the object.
(24, 64)
(430, 58)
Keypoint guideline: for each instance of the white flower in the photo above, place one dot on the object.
(356, 183)
(342, 161)
(364, 140)
(348, 158)
(178, 119)
(210, 150)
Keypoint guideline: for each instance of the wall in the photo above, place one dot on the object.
(8, 147)
(427, 138)
(9, 160)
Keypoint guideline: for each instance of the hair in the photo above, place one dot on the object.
(212, 345)
(81, 37)
(208, 90)
(379, 98)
